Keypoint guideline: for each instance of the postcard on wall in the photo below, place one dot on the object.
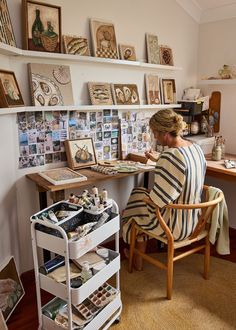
(166, 55)
(63, 175)
(76, 45)
(80, 153)
(125, 94)
(42, 26)
(11, 288)
(152, 89)
(6, 30)
(103, 39)
(100, 93)
(168, 91)
(127, 52)
(50, 84)
(10, 95)
(152, 49)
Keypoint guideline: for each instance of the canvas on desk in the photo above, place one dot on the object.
(62, 175)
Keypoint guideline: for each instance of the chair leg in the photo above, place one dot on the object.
(170, 264)
(132, 245)
(207, 258)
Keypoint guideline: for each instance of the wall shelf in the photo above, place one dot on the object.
(9, 111)
(13, 51)
(217, 82)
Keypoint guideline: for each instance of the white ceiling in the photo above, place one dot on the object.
(204, 11)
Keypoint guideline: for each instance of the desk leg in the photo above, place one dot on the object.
(43, 205)
(146, 180)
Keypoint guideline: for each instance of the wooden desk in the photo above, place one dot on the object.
(218, 170)
(57, 192)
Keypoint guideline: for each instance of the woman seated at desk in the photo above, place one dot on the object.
(179, 178)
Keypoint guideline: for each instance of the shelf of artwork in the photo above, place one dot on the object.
(13, 51)
(9, 111)
(217, 82)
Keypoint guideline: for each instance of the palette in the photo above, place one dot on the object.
(103, 295)
(87, 309)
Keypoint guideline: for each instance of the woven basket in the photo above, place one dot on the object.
(49, 43)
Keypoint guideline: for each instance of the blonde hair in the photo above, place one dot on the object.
(167, 121)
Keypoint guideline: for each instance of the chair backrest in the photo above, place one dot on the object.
(206, 208)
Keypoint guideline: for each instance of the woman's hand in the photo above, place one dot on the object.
(152, 155)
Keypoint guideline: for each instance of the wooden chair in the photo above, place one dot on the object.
(200, 233)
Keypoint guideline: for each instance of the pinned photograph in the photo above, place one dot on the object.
(76, 45)
(100, 93)
(126, 94)
(127, 52)
(168, 91)
(166, 55)
(152, 88)
(103, 39)
(11, 288)
(6, 30)
(42, 26)
(152, 49)
(10, 95)
(80, 153)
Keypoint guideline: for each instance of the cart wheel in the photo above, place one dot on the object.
(117, 320)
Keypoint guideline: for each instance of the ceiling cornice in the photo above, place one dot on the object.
(209, 15)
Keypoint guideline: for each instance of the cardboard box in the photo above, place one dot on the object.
(206, 143)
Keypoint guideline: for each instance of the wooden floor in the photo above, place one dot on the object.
(25, 315)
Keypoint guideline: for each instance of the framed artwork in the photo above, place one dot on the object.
(103, 39)
(166, 56)
(127, 52)
(168, 91)
(80, 153)
(62, 175)
(125, 94)
(41, 26)
(6, 30)
(11, 288)
(76, 45)
(50, 84)
(100, 93)
(10, 95)
(152, 49)
(152, 89)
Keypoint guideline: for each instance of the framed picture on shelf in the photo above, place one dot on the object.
(6, 30)
(166, 55)
(152, 49)
(11, 287)
(50, 84)
(103, 39)
(63, 175)
(126, 94)
(41, 26)
(100, 93)
(168, 91)
(76, 45)
(10, 95)
(152, 89)
(80, 153)
(127, 52)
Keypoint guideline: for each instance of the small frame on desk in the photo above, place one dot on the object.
(10, 95)
(80, 153)
(63, 175)
(41, 26)
(168, 91)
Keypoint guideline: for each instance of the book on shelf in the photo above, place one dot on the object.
(62, 175)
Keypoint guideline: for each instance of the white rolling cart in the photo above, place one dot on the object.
(73, 250)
